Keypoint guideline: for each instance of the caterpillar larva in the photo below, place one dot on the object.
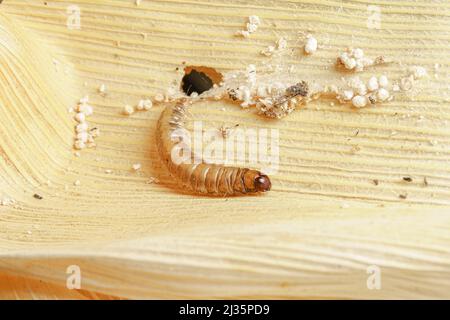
(200, 177)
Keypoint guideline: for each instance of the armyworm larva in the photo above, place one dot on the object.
(198, 176)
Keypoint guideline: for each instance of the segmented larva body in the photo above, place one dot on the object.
(211, 179)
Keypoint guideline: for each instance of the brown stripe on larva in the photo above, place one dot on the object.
(204, 178)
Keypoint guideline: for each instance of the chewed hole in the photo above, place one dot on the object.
(199, 79)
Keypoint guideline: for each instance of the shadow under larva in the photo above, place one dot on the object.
(201, 177)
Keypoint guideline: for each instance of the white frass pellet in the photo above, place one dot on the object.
(136, 166)
(102, 89)
(80, 117)
(383, 94)
(347, 95)
(359, 101)
(128, 110)
(140, 105)
(383, 81)
(372, 84)
(311, 45)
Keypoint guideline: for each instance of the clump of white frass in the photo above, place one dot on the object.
(355, 60)
(144, 105)
(251, 27)
(362, 94)
(83, 136)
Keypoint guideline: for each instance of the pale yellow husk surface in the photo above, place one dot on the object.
(313, 236)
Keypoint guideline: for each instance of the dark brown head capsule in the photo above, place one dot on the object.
(255, 181)
(262, 183)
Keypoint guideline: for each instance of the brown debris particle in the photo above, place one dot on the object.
(299, 89)
(226, 131)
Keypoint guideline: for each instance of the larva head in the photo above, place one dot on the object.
(255, 181)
